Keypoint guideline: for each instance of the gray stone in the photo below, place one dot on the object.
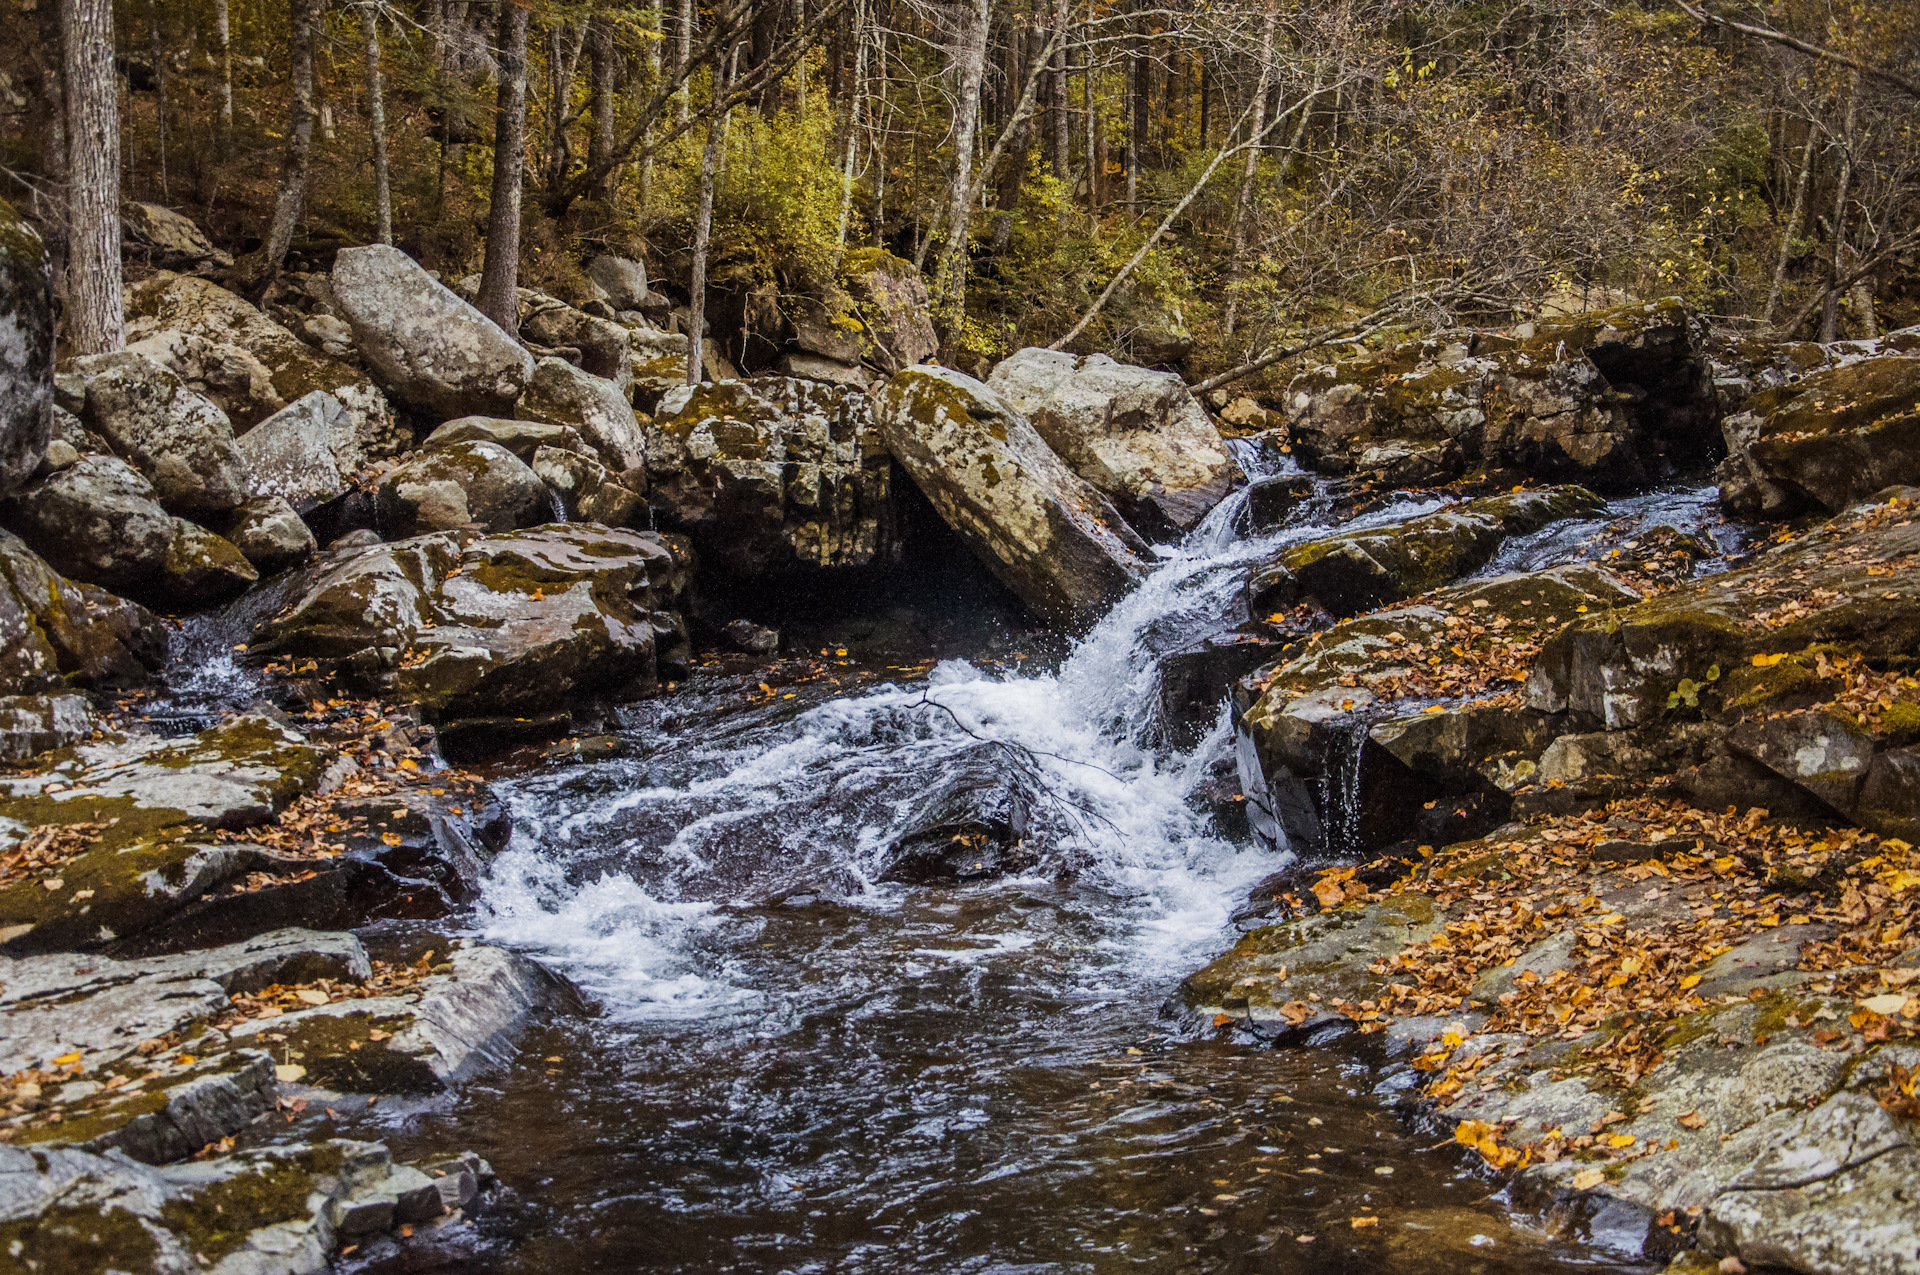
(604, 351)
(587, 492)
(168, 239)
(814, 367)
(560, 394)
(201, 568)
(427, 346)
(31, 724)
(459, 485)
(522, 438)
(306, 454)
(271, 535)
(26, 351)
(332, 334)
(890, 299)
(180, 440)
(97, 520)
(229, 375)
(57, 633)
(622, 281)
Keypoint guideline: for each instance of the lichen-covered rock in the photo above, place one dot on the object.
(56, 632)
(621, 281)
(180, 440)
(522, 438)
(602, 343)
(561, 394)
(429, 348)
(270, 534)
(772, 475)
(1826, 442)
(587, 491)
(200, 568)
(167, 239)
(228, 375)
(1044, 531)
(1607, 399)
(460, 485)
(305, 454)
(890, 299)
(31, 724)
(1137, 435)
(26, 350)
(528, 622)
(183, 303)
(815, 367)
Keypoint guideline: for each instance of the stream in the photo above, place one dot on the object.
(796, 1066)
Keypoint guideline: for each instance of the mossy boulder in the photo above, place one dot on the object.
(1052, 539)
(180, 440)
(559, 393)
(889, 300)
(1826, 442)
(461, 485)
(26, 351)
(56, 632)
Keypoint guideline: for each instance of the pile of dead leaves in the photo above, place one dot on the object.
(47, 847)
(390, 978)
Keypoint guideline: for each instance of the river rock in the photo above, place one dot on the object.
(1607, 399)
(983, 816)
(180, 440)
(26, 351)
(1043, 530)
(183, 303)
(429, 348)
(228, 375)
(167, 239)
(306, 454)
(621, 281)
(31, 724)
(602, 343)
(772, 476)
(561, 394)
(458, 486)
(522, 438)
(587, 491)
(528, 622)
(1138, 436)
(814, 367)
(269, 533)
(890, 300)
(1827, 442)
(56, 633)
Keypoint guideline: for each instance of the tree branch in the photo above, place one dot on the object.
(1820, 51)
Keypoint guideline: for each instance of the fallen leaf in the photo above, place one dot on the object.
(1890, 1003)
(313, 996)
(67, 1060)
(1691, 1119)
(1621, 1141)
(1587, 1179)
(287, 1073)
(1361, 1223)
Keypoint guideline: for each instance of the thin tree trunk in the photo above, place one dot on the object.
(94, 315)
(223, 49)
(500, 269)
(50, 97)
(1236, 263)
(853, 133)
(605, 65)
(1062, 115)
(377, 124)
(970, 66)
(156, 49)
(290, 200)
(703, 233)
(1793, 225)
(685, 37)
(1830, 308)
(1136, 128)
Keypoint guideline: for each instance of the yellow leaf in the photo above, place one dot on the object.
(1452, 1039)
(1468, 1133)
(1621, 1141)
(1360, 1223)
(1587, 1179)
(1433, 708)
(1690, 982)
(1768, 661)
(67, 1060)
(408, 763)
(391, 838)
(1889, 1003)
(287, 1073)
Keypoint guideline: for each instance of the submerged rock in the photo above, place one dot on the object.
(1044, 531)
(1138, 436)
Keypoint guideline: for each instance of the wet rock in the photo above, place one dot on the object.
(306, 454)
(98, 520)
(1195, 680)
(1271, 501)
(1044, 531)
(890, 299)
(429, 348)
(31, 724)
(1826, 442)
(603, 346)
(522, 438)
(461, 485)
(521, 623)
(1139, 437)
(622, 281)
(772, 476)
(983, 816)
(228, 375)
(270, 535)
(26, 353)
(173, 302)
(361, 538)
(587, 491)
(178, 439)
(1357, 571)
(749, 638)
(56, 633)
(561, 394)
(168, 240)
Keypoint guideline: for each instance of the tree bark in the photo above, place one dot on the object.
(500, 268)
(703, 234)
(605, 66)
(1236, 262)
(157, 51)
(1830, 308)
(969, 68)
(684, 34)
(223, 51)
(377, 125)
(94, 315)
(50, 99)
(1792, 227)
(290, 199)
(1062, 116)
(853, 133)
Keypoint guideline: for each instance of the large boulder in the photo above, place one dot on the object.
(429, 348)
(1826, 442)
(772, 475)
(56, 632)
(270, 534)
(621, 281)
(461, 485)
(890, 300)
(1044, 531)
(1609, 399)
(602, 343)
(183, 303)
(167, 239)
(180, 440)
(522, 438)
(527, 623)
(1138, 436)
(588, 492)
(99, 521)
(305, 454)
(560, 394)
(26, 351)
(237, 383)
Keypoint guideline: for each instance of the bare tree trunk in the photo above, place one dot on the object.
(703, 233)
(223, 48)
(605, 66)
(1062, 113)
(157, 51)
(94, 315)
(1792, 227)
(50, 98)
(1236, 263)
(1136, 127)
(1830, 308)
(684, 35)
(290, 200)
(377, 124)
(853, 132)
(499, 297)
(969, 65)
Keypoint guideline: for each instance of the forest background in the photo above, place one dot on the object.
(1204, 185)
